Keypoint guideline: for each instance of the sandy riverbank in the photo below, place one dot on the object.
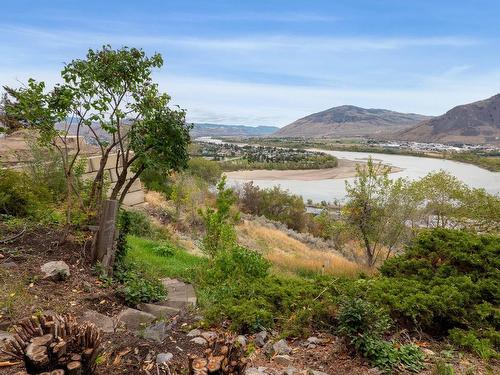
(345, 169)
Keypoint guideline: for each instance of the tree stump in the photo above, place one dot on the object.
(56, 345)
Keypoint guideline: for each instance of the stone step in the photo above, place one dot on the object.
(159, 311)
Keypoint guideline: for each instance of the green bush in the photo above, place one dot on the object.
(19, 195)
(164, 250)
(364, 324)
(138, 287)
(469, 340)
(446, 279)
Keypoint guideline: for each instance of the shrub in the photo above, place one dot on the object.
(469, 340)
(164, 250)
(19, 195)
(364, 324)
(138, 287)
(446, 279)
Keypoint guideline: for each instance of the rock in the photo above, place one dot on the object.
(283, 360)
(194, 333)
(315, 372)
(311, 346)
(255, 371)
(4, 336)
(268, 349)
(260, 339)
(8, 265)
(133, 319)
(290, 370)
(242, 340)
(281, 347)
(157, 331)
(55, 270)
(199, 341)
(209, 336)
(101, 321)
(314, 340)
(163, 358)
(158, 310)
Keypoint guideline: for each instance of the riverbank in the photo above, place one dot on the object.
(345, 169)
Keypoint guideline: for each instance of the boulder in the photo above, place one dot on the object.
(283, 360)
(163, 358)
(255, 371)
(315, 372)
(242, 340)
(158, 310)
(101, 321)
(290, 370)
(260, 339)
(281, 347)
(199, 341)
(194, 333)
(56, 270)
(134, 320)
(157, 331)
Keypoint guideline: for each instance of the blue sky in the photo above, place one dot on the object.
(270, 62)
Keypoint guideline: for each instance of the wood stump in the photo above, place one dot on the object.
(225, 356)
(55, 345)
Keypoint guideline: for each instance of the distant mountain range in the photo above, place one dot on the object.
(350, 121)
(477, 122)
(219, 130)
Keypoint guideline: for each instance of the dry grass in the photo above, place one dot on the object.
(289, 254)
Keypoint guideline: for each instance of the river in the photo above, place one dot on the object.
(413, 168)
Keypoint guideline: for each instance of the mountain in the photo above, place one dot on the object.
(349, 121)
(477, 122)
(219, 130)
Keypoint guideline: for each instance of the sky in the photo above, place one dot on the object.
(269, 62)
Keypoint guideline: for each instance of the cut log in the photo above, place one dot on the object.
(74, 368)
(37, 358)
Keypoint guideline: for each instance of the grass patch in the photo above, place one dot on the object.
(149, 256)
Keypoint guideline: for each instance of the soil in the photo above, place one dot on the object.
(24, 293)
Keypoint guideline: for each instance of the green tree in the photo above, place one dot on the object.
(220, 235)
(378, 209)
(111, 96)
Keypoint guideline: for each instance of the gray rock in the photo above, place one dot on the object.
(242, 340)
(315, 372)
(281, 347)
(101, 321)
(4, 337)
(268, 349)
(55, 270)
(209, 336)
(290, 370)
(314, 340)
(255, 371)
(157, 331)
(283, 360)
(199, 341)
(134, 320)
(8, 265)
(194, 333)
(260, 338)
(164, 358)
(158, 310)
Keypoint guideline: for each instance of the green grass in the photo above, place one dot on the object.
(145, 255)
